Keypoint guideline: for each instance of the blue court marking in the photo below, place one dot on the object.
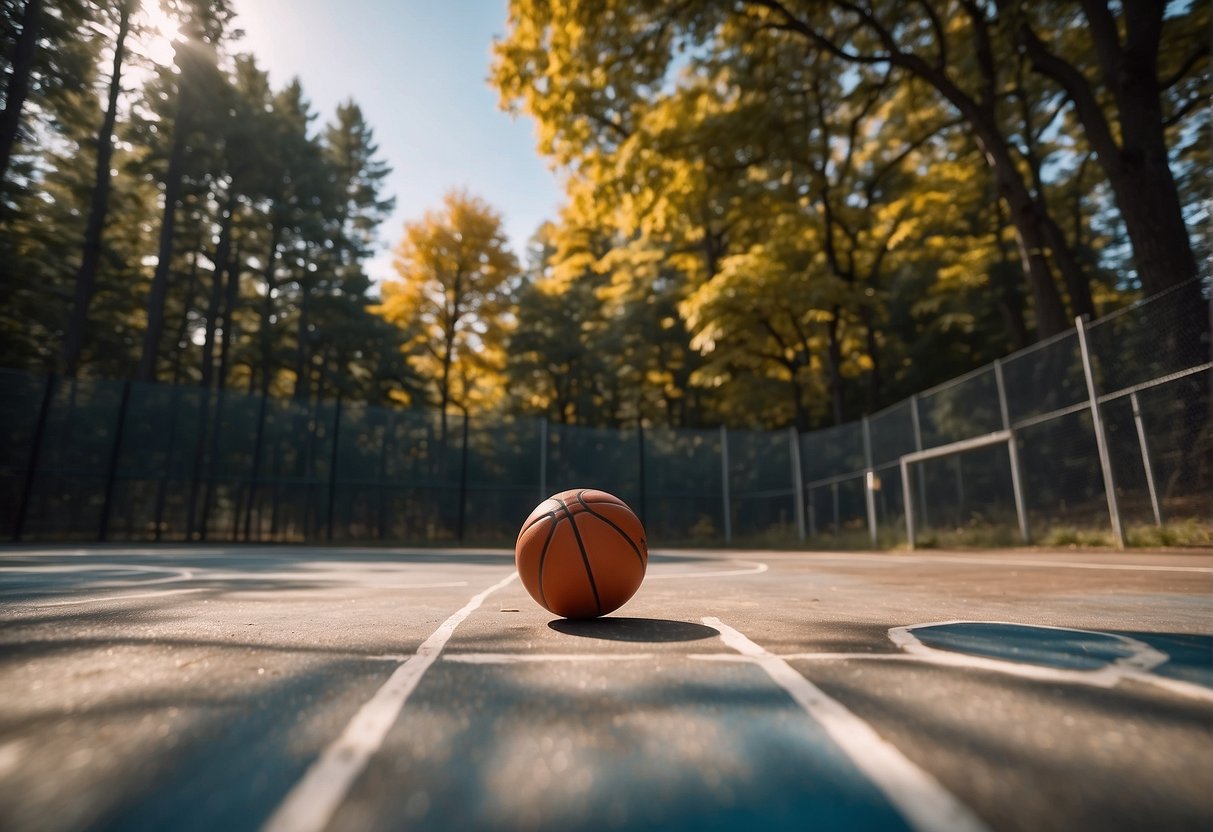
(1023, 643)
(1189, 657)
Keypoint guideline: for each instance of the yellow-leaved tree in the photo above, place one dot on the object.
(456, 273)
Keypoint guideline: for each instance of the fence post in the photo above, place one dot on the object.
(543, 457)
(35, 451)
(1101, 439)
(332, 506)
(1145, 458)
(869, 481)
(112, 468)
(797, 481)
(908, 498)
(1021, 509)
(724, 484)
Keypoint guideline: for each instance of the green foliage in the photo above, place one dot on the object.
(264, 280)
(852, 200)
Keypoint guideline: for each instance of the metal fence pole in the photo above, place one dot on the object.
(869, 481)
(909, 502)
(1101, 439)
(797, 481)
(112, 468)
(35, 452)
(1021, 510)
(837, 509)
(1145, 458)
(724, 484)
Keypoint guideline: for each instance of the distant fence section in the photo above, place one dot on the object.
(1102, 427)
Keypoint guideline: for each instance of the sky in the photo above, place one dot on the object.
(418, 69)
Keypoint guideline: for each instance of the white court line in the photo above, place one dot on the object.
(1142, 657)
(526, 658)
(310, 805)
(788, 657)
(105, 599)
(921, 800)
(996, 560)
(175, 574)
(753, 568)
(1136, 666)
(1176, 686)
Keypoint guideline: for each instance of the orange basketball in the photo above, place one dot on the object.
(581, 553)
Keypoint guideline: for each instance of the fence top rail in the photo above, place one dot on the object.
(834, 480)
(994, 438)
(1156, 382)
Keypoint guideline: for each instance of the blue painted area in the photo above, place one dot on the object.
(1043, 646)
(1190, 656)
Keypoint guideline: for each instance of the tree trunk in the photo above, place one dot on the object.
(1137, 167)
(191, 292)
(1030, 239)
(228, 313)
(86, 277)
(1078, 284)
(215, 303)
(267, 311)
(873, 377)
(1025, 213)
(172, 189)
(19, 81)
(1010, 301)
(303, 363)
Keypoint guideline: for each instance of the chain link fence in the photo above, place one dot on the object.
(1094, 434)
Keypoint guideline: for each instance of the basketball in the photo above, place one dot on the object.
(582, 553)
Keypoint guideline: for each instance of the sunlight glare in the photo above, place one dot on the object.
(160, 30)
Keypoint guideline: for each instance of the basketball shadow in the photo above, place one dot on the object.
(633, 629)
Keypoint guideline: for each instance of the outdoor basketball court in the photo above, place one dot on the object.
(309, 688)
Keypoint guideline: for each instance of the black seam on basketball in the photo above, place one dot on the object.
(622, 533)
(543, 553)
(585, 558)
(536, 520)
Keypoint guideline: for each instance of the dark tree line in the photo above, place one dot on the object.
(182, 222)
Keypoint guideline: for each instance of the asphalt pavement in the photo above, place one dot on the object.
(279, 688)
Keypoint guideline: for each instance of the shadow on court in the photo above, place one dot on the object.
(633, 629)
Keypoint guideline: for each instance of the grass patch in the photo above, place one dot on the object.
(1072, 536)
(1187, 532)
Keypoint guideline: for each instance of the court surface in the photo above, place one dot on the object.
(297, 688)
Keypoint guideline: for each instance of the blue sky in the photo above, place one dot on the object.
(418, 69)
